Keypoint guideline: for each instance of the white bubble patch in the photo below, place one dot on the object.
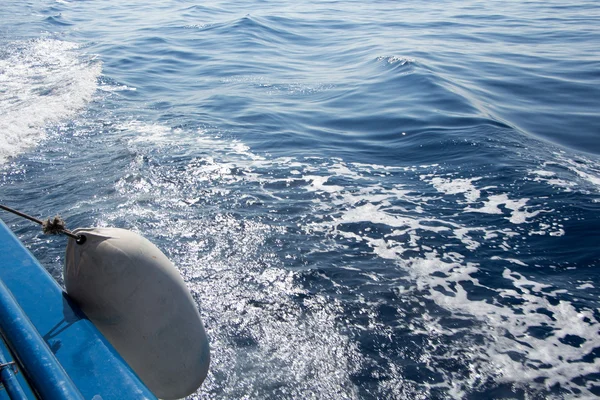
(43, 82)
(430, 236)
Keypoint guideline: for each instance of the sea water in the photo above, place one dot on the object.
(367, 199)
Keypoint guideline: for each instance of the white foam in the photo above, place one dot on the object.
(587, 285)
(545, 174)
(568, 173)
(116, 88)
(456, 186)
(44, 82)
(359, 209)
(396, 60)
(592, 178)
(519, 213)
(511, 260)
(318, 183)
(549, 177)
(148, 133)
(506, 328)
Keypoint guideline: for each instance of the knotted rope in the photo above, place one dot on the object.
(52, 226)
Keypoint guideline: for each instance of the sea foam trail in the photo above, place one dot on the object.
(43, 81)
(387, 221)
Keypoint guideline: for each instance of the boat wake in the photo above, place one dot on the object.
(301, 265)
(44, 82)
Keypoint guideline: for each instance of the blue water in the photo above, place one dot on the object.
(367, 199)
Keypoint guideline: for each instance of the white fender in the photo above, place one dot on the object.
(138, 300)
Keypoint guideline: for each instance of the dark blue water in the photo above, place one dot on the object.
(367, 199)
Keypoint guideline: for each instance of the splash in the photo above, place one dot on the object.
(44, 82)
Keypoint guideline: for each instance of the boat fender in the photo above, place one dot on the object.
(136, 297)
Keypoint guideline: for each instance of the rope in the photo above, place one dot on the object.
(52, 226)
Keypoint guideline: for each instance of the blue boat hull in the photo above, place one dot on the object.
(59, 351)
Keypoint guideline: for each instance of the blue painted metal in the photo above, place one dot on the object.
(7, 357)
(9, 380)
(45, 373)
(91, 363)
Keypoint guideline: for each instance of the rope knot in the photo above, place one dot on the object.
(54, 226)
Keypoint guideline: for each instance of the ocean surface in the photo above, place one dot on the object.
(367, 199)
